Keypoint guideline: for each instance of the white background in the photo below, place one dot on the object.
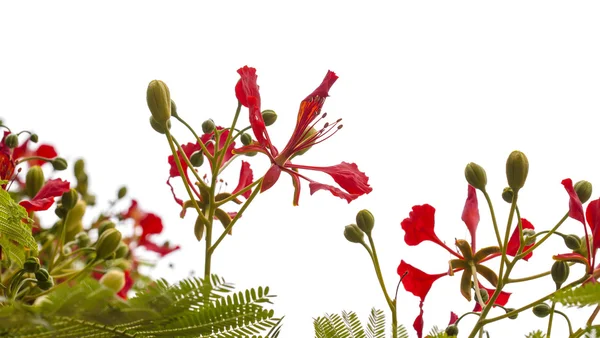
(425, 87)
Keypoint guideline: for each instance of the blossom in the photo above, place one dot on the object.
(592, 215)
(420, 227)
(44, 199)
(9, 157)
(353, 182)
(150, 224)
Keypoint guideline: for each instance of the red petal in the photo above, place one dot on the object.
(470, 214)
(453, 318)
(270, 178)
(249, 87)
(575, 207)
(347, 175)
(188, 149)
(592, 215)
(416, 281)
(21, 150)
(419, 323)
(151, 224)
(177, 200)
(240, 94)
(514, 243)
(162, 250)
(501, 300)
(246, 178)
(7, 166)
(419, 226)
(133, 211)
(45, 197)
(316, 186)
(43, 150)
(322, 90)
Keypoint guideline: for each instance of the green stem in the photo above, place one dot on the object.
(28, 158)
(550, 317)
(204, 150)
(228, 140)
(57, 251)
(235, 219)
(550, 232)
(237, 194)
(494, 222)
(568, 321)
(532, 277)
(188, 163)
(476, 284)
(593, 316)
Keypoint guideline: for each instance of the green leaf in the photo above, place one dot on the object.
(536, 334)
(585, 295)
(15, 235)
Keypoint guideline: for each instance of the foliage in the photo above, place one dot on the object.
(585, 295)
(348, 325)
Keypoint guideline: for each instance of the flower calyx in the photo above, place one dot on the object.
(471, 263)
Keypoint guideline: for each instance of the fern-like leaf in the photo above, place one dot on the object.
(436, 332)
(586, 295)
(376, 324)
(348, 326)
(15, 235)
(536, 334)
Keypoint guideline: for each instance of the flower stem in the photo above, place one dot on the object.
(548, 234)
(550, 317)
(494, 222)
(204, 150)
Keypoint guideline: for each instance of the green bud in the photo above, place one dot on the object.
(250, 154)
(105, 225)
(122, 250)
(31, 265)
(173, 108)
(11, 141)
(509, 309)
(33, 138)
(353, 234)
(34, 180)
(517, 168)
(583, 190)
(69, 199)
(197, 158)
(113, 279)
(199, 229)
(541, 310)
(122, 192)
(82, 239)
(121, 263)
(60, 211)
(79, 168)
(452, 330)
(365, 221)
(529, 236)
(158, 98)
(208, 126)
(246, 139)
(46, 285)
(572, 242)
(42, 301)
(507, 195)
(269, 116)
(42, 275)
(485, 296)
(107, 243)
(158, 127)
(59, 164)
(75, 215)
(560, 273)
(476, 176)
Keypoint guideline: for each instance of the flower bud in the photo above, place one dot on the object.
(365, 221)
(105, 225)
(583, 190)
(114, 279)
(529, 236)
(173, 108)
(82, 239)
(560, 273)
(199, 229)
(158, 127)
(31, 265)
(353, 234)
(197, 158)
(45, 285)
(485, 296)
(75, 215)
(517, 168)
(509, 309)
(11, 141)
(208, 126)
(42, 275)
(158, 98)
(59, 164)
(107, 243)
(452, 330)
(476, 176)
(541, 310)
(41, 301)
(251, 153)
(122, 250)
(572, 242)
(60, 211)
(34, 180)
(79, 168)
(246, 139)
(33, 138)
(122, 192)
(269, 116)
(121, 263)
(507, 195)
(69, 199)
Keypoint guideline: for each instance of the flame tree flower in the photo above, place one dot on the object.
(353, 183)
(419, 227)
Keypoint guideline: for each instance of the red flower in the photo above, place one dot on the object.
(128, 285)
(513, 243)
(150, 224)
(44, 199)
(575, 206)
(501, 300)
(420, 227)
(9, 157)
(353, 183)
